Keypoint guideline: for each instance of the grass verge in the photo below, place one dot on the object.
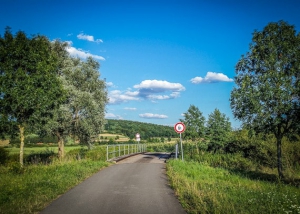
(31, 189)
(204, 189)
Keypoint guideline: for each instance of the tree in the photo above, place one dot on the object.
(266, 96)
(29, 86)
(82, 115)
(194, 122)
(218, 129)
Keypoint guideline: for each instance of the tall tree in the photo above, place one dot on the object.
(218, 129)
(82, 114)
(267, 90)
(28, 82)
(194, 122)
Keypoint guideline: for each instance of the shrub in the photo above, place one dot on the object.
(4, 154)
(44, 157)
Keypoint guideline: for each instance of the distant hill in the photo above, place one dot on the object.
(146, 130)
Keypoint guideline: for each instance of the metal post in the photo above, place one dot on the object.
(176, 151)
(106, 153)
(119, 151)
(181, 148)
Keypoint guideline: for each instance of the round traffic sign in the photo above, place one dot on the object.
(179, 127)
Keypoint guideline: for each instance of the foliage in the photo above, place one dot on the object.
(43, 157)
(194, 122)
(266, 96)
(218, 130)
(82, 115)
(3, 155)
(29, 87)
(204, 189)
(146, 130)
(161, 147)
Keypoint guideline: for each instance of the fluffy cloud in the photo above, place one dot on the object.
(153, 116)
(111, 115)
(88, 38)
(147, 89)
(159, 86)
(157, 89)
(116, 97)
(211, 77)
(82, 54)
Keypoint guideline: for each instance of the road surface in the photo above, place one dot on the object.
(134, 185)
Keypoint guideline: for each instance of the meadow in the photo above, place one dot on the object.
(205, 189)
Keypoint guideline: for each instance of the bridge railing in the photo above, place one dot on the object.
(114, 151)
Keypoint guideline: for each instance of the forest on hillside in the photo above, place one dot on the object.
(146, 130)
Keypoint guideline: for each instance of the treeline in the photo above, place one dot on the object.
(146, 130)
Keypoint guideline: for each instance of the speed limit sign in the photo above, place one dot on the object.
(179, 127)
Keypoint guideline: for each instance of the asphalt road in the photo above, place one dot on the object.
(135, 185)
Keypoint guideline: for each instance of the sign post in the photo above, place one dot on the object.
(180, 128)
(137, 137)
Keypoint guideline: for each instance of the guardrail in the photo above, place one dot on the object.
(113, 151)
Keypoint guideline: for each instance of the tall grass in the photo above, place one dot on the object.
(205, 189)
(31, 188)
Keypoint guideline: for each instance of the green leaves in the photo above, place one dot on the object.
(194, 122)
(266, 96)
(29, 85)
(267, 78)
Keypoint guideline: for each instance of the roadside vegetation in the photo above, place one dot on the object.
(60, 130)
(255, 169)
(30, 188)
(202, 188)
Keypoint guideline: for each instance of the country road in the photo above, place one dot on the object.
(134, 185)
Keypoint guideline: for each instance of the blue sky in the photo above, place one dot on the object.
(157, 57)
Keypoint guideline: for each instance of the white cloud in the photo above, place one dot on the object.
(130, 109)
(211, 77)
(111, 115)
(153, 116)
(159, 85)
(147, 89)
(158, 97)
(109, 84)
(116, 97)
(82, 54)
(88, 38)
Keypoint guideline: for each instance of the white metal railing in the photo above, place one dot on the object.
(113, 151)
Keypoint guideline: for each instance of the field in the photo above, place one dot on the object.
(29, 150)
(115, 137)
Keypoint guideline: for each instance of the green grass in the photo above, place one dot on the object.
(30, 189)
(29, 150)
(204, 189)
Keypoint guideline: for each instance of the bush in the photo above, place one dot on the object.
(77, 154)
(4, 155)
(44, 157)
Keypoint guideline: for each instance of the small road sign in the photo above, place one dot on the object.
(137, 136)
(179, 127)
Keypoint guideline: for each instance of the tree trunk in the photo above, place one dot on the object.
(21, 129)
(279, 162)
(61, 146)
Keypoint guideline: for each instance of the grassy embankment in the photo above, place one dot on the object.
(31, 188)
(205, 189)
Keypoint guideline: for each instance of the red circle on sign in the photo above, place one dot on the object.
(179, 127)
